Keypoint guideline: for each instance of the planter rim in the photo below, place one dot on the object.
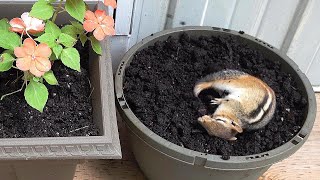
(209, 160)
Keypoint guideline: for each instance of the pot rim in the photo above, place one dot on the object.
(209, 160)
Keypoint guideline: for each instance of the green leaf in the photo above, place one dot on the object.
(70, 30)
(6, 61)
(57, 50)
(67, 40)
(36, 79)
(4, 25)
(47, 38)
(95, 44)
(9, 40)
(8, 51)
(36, 95)
(50, 78)
(42, 10)
(77, 25)
(52, 57)
(53, 29)
(76, 9)
(50, 1)
(83, 39)
(70, 57)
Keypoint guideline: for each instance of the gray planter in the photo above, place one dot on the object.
(161, 159)
(57, 157)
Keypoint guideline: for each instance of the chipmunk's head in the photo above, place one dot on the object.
(220, 126)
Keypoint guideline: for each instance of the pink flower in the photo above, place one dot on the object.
(98, 22)
(26, 23)
(33, 58)
(111, 3)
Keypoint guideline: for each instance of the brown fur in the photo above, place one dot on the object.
(250, 103)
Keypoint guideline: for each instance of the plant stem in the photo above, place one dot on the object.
(29, 35)
(57, 11)
(22, 36)
(18, 77)
(19, 90)
(62, 11)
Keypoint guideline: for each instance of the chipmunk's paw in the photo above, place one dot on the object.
(216, 101)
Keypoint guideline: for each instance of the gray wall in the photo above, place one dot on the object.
(290, 25)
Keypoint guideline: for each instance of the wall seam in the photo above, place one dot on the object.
(294, 25)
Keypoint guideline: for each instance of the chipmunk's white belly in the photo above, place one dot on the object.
(234, 92)
(241, 95)
(236, 95)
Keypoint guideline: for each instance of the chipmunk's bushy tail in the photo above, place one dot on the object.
(200, 87)
(207, 81)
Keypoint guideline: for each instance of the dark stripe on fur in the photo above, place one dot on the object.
(265, 99)
(257, 111)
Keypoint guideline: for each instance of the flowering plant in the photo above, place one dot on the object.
(33, 42)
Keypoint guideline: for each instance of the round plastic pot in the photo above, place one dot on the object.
(161, 159)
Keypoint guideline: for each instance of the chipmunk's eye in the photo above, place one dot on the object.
(221, 120)
(233, 123)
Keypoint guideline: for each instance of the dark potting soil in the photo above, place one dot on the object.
(159, 85)
(68, 111)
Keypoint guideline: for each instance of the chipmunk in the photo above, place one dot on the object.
(249, 104)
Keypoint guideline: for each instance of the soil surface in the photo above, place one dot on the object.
(68, 111)
(159, 89)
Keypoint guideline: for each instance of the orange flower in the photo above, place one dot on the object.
(33, 58)
(98, 22)
(26, 24)
(111, 3)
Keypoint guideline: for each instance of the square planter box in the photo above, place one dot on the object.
(57, 157)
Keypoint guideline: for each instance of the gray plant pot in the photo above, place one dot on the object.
(160, 159)
(56, 157)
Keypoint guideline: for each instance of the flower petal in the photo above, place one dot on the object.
(25, 16)
(31, 31)
(36, 24)
(26, 19)
(100, 15)
(35, 30)
(18, 30)
(111, 3)
(42, 50)
(24, 63)
(17, 23)
(108, 20)
(40, 27)
(43, 64)
(34, 70)
(29, 46)
(108, 30)
(89, 25)
(99, 34)
(90, 16)
(19, 52)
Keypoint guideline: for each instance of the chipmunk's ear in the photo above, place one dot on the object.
(236, 127)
